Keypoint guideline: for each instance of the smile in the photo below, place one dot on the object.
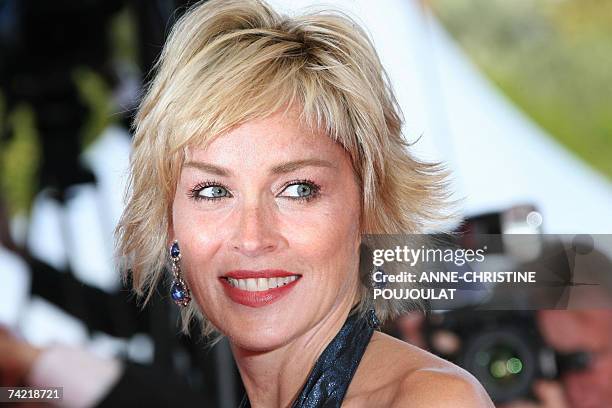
(258, 288)
(260, 284)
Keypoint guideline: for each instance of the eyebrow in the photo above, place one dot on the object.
(282, 168)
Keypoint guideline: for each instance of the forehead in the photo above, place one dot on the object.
(277, 137)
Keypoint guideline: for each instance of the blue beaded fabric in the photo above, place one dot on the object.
(333, 371)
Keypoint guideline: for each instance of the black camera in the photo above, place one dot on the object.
(504, 350)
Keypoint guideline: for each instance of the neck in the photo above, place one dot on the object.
(274, 378)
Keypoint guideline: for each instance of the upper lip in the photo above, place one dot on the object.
(264, 273)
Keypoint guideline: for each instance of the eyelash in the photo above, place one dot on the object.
(194, 192)
(314, 186)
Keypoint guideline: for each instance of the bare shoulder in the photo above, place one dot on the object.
(394, 373)
(436, 387)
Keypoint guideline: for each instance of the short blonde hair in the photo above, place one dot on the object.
(230, 61)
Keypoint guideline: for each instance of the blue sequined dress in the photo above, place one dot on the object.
(333, 371)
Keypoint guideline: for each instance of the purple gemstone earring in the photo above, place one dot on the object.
(179, 290)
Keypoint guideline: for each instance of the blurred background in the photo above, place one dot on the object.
(515, 96)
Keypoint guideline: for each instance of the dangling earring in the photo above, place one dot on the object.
(179, 290)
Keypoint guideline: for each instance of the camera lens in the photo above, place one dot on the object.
(502, 361)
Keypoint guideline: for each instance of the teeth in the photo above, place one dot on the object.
(260, 284)
(251, 285)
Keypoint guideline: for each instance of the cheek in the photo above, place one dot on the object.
(593, 383)
(198, 238)
(328, 238)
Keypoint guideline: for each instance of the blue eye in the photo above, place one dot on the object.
(213, 192)
(209, 191)
(301, 190)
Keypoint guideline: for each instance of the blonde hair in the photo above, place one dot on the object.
(229, 61)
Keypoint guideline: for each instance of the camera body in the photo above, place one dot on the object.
(504, 350)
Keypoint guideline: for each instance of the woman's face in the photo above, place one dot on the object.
(267, 219)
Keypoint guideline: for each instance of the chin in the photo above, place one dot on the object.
(260, 339)
(264, 326)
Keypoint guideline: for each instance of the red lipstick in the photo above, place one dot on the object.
(260, 298)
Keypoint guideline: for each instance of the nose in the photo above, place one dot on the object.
(255, 232)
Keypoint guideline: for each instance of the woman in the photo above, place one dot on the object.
(264, 149)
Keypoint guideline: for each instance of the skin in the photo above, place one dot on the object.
(569, 331)
(16, 358)
(257, 221)
(587, 330)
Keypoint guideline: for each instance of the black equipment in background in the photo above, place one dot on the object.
(502, 349)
